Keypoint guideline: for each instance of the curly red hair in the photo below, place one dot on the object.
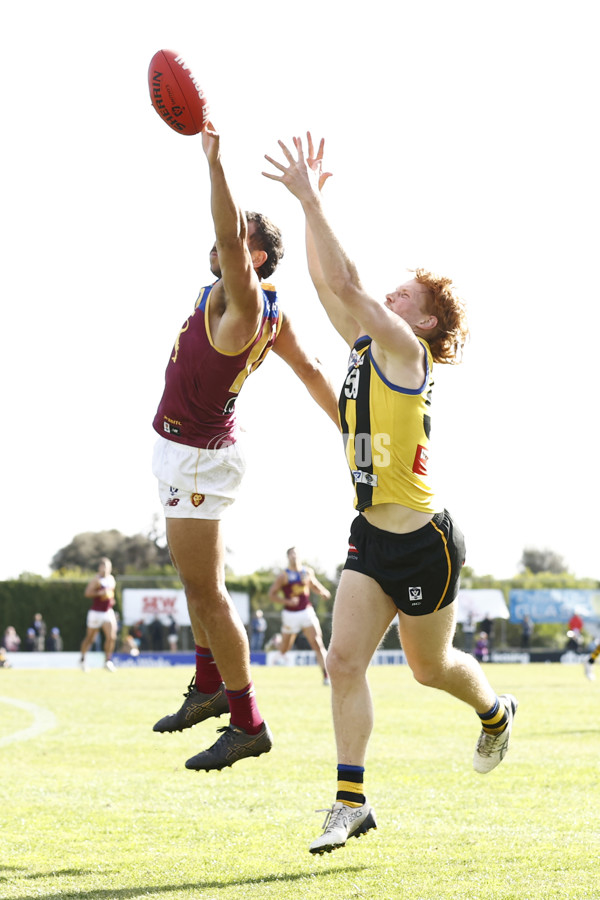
(451, 332)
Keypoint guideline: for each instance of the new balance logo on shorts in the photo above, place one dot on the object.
(415, 595)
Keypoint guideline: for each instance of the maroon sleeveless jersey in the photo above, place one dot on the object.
(297, 587)
(202, 383)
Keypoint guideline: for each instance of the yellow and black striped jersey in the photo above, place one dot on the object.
(386, 432)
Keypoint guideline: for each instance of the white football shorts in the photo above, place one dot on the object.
(96, 618)
(294, 622)
(194, 483)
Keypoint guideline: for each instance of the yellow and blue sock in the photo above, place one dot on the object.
(350, 785)
(495, 720)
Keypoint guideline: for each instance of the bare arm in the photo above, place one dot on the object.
(393, 335)
(93, 588)
(343, 322)
(308, 369)
(316, 585)
(276, 587)
(241, 286)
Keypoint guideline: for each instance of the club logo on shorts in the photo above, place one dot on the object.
(197, 499)
(415, 595)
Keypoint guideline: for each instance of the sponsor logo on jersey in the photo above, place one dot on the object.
(421, 460)
(364, 478)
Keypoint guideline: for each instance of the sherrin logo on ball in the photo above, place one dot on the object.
(176, 94)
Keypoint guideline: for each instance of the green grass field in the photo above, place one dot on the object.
(101, 808)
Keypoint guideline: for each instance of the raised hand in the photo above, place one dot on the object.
(316, 162)
(301, 177)
(211, 143)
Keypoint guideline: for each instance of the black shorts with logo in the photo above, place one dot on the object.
(420, 570)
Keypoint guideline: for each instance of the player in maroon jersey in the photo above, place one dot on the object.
(101, 615)
(298, 614)
(234, 325)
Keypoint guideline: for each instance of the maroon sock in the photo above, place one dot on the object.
(208, 677)
(244, 710)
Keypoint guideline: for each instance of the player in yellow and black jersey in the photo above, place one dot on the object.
(405, 553)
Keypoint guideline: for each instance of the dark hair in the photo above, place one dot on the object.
(267, 237)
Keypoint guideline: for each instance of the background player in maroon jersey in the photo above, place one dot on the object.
(298, 614)
(235, 323)
(101, 615)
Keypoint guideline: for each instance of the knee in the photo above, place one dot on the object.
(429, 673)
(343, 666)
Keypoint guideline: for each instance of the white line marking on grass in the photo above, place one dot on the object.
(43, 719)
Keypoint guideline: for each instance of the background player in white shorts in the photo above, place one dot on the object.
(101, 614)
(298, 614)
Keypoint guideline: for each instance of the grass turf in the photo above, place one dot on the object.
(101, 808)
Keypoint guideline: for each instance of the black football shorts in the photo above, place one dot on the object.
(420, 570)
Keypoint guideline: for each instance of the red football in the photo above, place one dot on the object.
(176, 95)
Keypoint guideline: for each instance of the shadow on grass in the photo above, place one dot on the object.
(148, 890)
(32, 876)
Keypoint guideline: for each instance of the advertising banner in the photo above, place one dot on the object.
(147, 604)
(554, 605)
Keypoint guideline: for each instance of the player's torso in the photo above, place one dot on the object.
(297, 589)
(202, 382)
(386, 431)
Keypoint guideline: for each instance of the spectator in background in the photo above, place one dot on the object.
(274, 642)
(468, 630)
(156, 634)
(39, 627)
(129, 646)
(526, 632)
(11, 640)
(481, 653)
(54, 641)
(258, 628)
(173, 634)
(4, 663)
(30, 640)
(135, 631)
(576, 626)
(487, 626)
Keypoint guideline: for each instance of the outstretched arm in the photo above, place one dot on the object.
(241, 284)
(344, 323)
(307, 368)
(390, 331)
(316, 585)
